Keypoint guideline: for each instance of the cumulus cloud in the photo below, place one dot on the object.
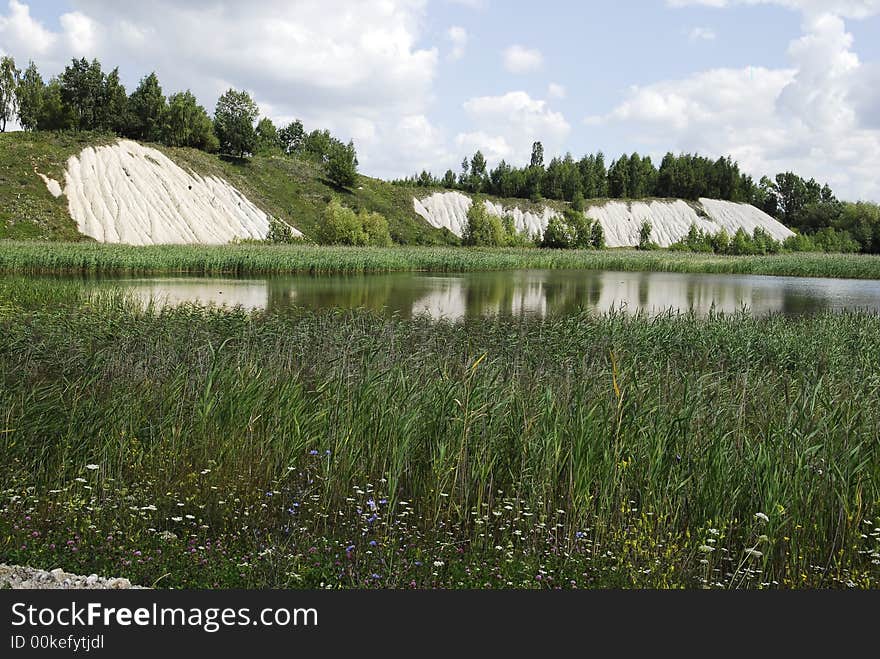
(519, 59)
(458, 38)
(21, 34)
(505, 126)
(813, 117)
(334, 63)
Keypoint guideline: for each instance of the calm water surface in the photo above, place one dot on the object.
(455, 296)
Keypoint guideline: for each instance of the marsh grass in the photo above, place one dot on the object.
(94, 258)
(212, 447)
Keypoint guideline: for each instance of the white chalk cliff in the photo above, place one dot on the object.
(128, 193)
(621, 220)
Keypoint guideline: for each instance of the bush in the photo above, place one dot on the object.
(375, 227)
(280, 233)
(558, 234)
(597, 235)
(645, 242)
(342, 226)
(483, 229)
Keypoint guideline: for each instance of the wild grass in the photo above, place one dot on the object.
(94, 258)
(212, 447)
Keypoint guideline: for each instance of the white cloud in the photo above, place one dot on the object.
(845, 8)
(23, 36)
(337, 64)
(810, 118)
(80, 33)
(702, 34)
(519, 59)
(470, 4)
(458, 37)
(505, 126)
(555, 90)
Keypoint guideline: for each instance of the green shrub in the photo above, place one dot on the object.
(645, 242)
(483, 229)
(342, 226)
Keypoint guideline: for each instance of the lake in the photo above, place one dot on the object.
(542, 293)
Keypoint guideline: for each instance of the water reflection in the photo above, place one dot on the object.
(520, 292)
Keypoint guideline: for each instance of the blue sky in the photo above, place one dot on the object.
(777, 84)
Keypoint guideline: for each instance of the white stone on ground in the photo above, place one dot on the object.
(28, 578)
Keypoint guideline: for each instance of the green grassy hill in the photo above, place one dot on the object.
(288, 188)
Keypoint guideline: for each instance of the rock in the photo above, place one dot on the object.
(119, 584)
(23, 577)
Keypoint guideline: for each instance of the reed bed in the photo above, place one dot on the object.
(210, 447)
(94, 258)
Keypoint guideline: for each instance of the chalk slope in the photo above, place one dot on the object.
(670, 219)
(128, 193)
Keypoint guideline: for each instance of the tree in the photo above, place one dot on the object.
(292, 136)
(267, 136)
(112, 113)
(342, 164)
(558, 234)
(82, 87)
(187, 124)
(597, 235)
(54, 114)
(645, 241)
(478, 172)
(29, 97)
(147, 110)
(483, 229)
(448, 179)
(317, 145)
(618, 178)
(234, 120)
(8, 86)
(537, 155)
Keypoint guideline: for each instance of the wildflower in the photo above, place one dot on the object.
(177, 519)
(313, 452)
(91, 467)
(762, 517)
(706, 548)
(205, 471)
(373, 543)
(438, 563)
(350, 548)
(80, 480)
(754, 552)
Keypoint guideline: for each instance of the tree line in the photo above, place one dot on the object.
(822, 221)
(85, 98)
(633, 176)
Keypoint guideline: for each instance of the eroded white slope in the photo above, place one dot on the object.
(128, 193)
(621, 220)
(448, 210)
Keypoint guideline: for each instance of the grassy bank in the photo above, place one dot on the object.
(46, 258)
(206, 447)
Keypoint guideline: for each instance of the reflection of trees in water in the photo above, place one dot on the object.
(543, 293)
(379, 293)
